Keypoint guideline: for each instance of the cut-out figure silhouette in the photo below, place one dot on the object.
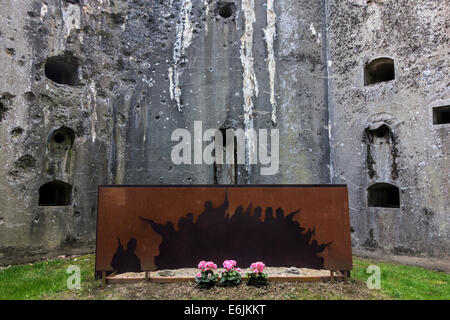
(215, 236)
(126, 260)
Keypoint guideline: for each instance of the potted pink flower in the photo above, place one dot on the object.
(206, 278)
(231, 276)
(256, 277)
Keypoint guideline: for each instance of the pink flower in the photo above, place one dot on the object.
(257, 267)
(229, 265)
(199, 275)
(210, 265)
(202, 265)
(261, 266)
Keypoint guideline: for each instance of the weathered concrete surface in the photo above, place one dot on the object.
(145, 69)
(148, 67)
(416, 159)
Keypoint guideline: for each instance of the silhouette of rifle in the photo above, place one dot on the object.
(120, 247)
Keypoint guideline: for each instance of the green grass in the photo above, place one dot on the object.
(406, 282)
(48, 278)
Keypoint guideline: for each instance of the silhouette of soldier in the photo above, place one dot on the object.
(244, 236)
(238, 213)
(269, 216)
(186, 222)
(225, 203)
(257, 213)
(291, 215)
(279, 214)
(208, 206)
(310, 233)
(126, 261)
(212, 215)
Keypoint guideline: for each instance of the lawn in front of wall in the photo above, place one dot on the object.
(48, 280)
(406, 282)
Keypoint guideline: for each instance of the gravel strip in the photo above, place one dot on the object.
(186, 272)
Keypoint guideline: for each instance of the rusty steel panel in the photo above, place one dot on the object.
(146, 228)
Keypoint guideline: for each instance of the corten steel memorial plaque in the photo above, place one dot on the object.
(146, 228)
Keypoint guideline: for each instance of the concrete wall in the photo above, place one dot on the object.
(145, 69)
(148, 67)
(416, 156)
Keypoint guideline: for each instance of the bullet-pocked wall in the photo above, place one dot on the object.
(55, 145)
(388, 67)
(91, 92)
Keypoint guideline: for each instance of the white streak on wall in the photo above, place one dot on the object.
(171, 85)
(71, 17)
(206, 5)
(123, 27)
(185, 31)
(44, 10)
(269, 35)
(188, 26)
(93, 103)
(250, 85)
(312, 29)
(177, 90)
(330, 139)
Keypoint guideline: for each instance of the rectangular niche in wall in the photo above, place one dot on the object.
(226, 172)
(62, 69)
(379, 70)
(383, 195)
(441, 115)
(55, 193)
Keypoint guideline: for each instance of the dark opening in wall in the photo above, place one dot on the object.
(59, 137)
(441, 115)
(381, 132)
(378, 133)
(381, 145)
(55, 193)
(225, 9)
(62, 69)
(383, 195)
(226, 173)
(379, 70)
(62, 138)
(5, 104)
(223, 132)
(59, 151)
